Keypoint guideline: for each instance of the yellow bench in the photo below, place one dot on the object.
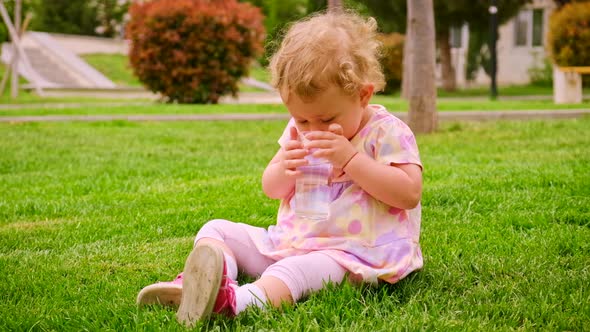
(576, 69)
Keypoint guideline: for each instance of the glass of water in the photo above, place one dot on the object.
(312, 189)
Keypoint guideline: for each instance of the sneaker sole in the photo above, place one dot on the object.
(168, 295)
(201, 281)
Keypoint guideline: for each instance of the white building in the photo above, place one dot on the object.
(521, 46)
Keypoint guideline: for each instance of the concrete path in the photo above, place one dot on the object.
(443, 116)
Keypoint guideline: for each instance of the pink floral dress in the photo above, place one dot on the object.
(372, 240)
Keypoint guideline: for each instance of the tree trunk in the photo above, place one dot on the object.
(423, 117)
(334, 5)
(448, 75)
(407, 63)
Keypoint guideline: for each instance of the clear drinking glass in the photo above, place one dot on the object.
(312, 189)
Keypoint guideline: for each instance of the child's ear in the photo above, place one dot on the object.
(365, 94)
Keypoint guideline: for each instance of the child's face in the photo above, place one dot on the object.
(331, 106)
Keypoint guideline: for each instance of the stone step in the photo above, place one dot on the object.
(51, 65)
(48, 69)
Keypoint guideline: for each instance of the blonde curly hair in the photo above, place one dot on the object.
(325, 50)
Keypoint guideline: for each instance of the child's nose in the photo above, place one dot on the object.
(318, 127)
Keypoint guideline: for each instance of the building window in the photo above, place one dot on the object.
(521, 25)
(456, 34)
(528, 28)
(538, 27)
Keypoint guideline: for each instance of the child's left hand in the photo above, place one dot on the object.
(331, 145)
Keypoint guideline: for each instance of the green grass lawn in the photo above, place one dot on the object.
(260, 73)
(92, 212)
(90, 107)
(504, 91)
(117, 69)
(114, 66)
(30, 97)
(122, 74)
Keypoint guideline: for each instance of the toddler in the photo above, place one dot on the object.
(326, 72)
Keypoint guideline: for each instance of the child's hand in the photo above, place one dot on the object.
(331, 145)
(293, 155)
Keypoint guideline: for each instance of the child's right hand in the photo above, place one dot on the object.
(293, 154)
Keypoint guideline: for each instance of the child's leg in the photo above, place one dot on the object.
(290, 279)
(237, 246)
(287, 280)
(238, 250)
(211, 269)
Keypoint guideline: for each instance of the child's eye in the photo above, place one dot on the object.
(302, 121)
(328, 120)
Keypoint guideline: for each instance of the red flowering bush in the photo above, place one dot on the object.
(193, 51)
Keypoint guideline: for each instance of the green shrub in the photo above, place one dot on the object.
(70, 17)
(278, 15)
(391, 60)
(193, 51)
(541, 74)
(27, 6)
(569, 35)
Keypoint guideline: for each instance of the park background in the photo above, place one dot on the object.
(103, 189)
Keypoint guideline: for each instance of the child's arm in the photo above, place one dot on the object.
(278, 179)
(395, 185)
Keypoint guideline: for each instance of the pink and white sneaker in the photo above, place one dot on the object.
(206, 287)
(226, 296)
(164, 293)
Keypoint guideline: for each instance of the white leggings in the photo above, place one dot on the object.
(302, 274)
